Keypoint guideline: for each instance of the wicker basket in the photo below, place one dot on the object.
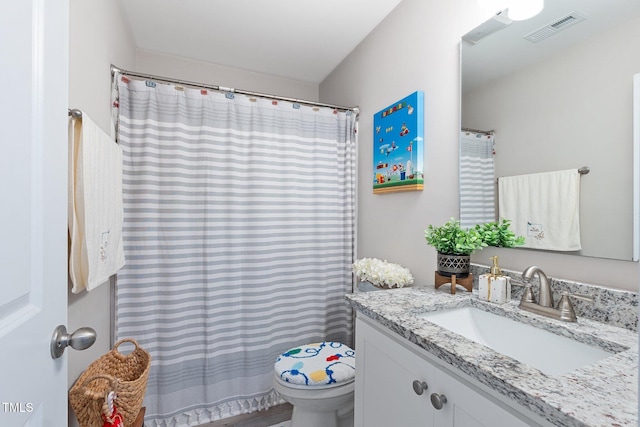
(126, 374)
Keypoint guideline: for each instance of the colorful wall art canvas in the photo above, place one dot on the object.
(398, 146)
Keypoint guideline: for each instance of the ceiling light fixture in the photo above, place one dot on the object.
(520, 10)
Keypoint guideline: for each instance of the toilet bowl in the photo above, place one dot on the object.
(318, 380)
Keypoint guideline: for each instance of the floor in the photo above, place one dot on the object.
(278, 416)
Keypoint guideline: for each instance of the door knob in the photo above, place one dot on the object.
(419, 387)
(81, 339)
(438, 400)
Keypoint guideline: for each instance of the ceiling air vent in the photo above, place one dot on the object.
(554, 27)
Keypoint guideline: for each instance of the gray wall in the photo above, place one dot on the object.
(416, 48)
(98, 36)
(204, 72)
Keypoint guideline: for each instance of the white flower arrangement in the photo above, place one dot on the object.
(382, 273)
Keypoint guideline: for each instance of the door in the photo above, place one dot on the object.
(387, 387)
(385, 376)
(465, 407)
(33, 213)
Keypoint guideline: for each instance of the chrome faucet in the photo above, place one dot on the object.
(545, 307)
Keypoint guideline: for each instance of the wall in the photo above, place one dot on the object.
(219, 75)
(417, 48)
(98, 37)
(571, 111)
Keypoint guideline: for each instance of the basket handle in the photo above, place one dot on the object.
(113, 381)
(131, 340)
(114, 387)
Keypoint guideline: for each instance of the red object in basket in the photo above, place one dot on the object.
(114, 419)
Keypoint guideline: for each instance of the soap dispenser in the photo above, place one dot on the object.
(494, 287)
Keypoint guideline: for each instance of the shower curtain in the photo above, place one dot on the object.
(239, 238)
(477, 180)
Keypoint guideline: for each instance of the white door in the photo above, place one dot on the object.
(33, 212)
(465, 407)
(385, 376)
(385, 384)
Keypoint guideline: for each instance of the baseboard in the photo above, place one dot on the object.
(269, 417)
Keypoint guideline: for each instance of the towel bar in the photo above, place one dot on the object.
(75, 113)
(582, 171)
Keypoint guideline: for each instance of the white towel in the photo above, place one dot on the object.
(543, 207)
(95, 205)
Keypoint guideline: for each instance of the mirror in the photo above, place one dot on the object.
(563, 101)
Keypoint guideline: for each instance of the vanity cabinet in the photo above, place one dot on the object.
(398, 385)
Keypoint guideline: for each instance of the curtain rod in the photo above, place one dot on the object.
(486, 132)
(115, 69)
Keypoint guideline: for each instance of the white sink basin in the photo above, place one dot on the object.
(543, 350)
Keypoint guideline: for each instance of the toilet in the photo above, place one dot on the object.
(318, 380)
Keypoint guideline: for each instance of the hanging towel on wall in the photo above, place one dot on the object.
(95, 205)
(543, 207)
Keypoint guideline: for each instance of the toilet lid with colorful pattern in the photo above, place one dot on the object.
(317, 364)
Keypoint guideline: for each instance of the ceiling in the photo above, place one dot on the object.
(297, 39)
(506, 50)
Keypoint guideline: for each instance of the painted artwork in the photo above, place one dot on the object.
(398, 146)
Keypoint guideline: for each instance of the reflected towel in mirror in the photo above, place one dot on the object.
(543, 207)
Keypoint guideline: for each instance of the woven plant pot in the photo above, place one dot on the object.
(126, 374)
(449, 265)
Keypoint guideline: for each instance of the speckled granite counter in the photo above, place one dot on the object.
(602, 394)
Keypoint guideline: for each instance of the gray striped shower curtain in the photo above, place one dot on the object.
(239, 238)
(477, 179)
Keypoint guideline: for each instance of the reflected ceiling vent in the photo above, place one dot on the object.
(554, 27)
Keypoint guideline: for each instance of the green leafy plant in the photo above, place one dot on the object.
(451, 239)
(498, 233)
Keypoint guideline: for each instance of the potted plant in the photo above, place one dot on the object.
(498, 233)
(455, 246)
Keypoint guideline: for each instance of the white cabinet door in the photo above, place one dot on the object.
(384, 396)
(384, 385)
(33, 219)
(466, 407)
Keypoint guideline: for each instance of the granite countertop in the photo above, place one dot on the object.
(604, 393)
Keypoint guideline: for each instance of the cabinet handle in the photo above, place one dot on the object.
(419, 387)
(438, 400)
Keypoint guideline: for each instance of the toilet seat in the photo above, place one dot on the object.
(319, 365)
(315, 387)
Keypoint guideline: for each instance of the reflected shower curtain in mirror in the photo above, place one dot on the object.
(239, 238)
(477, 180)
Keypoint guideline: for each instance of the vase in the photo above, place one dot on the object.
(449, 265)
(364, 286)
